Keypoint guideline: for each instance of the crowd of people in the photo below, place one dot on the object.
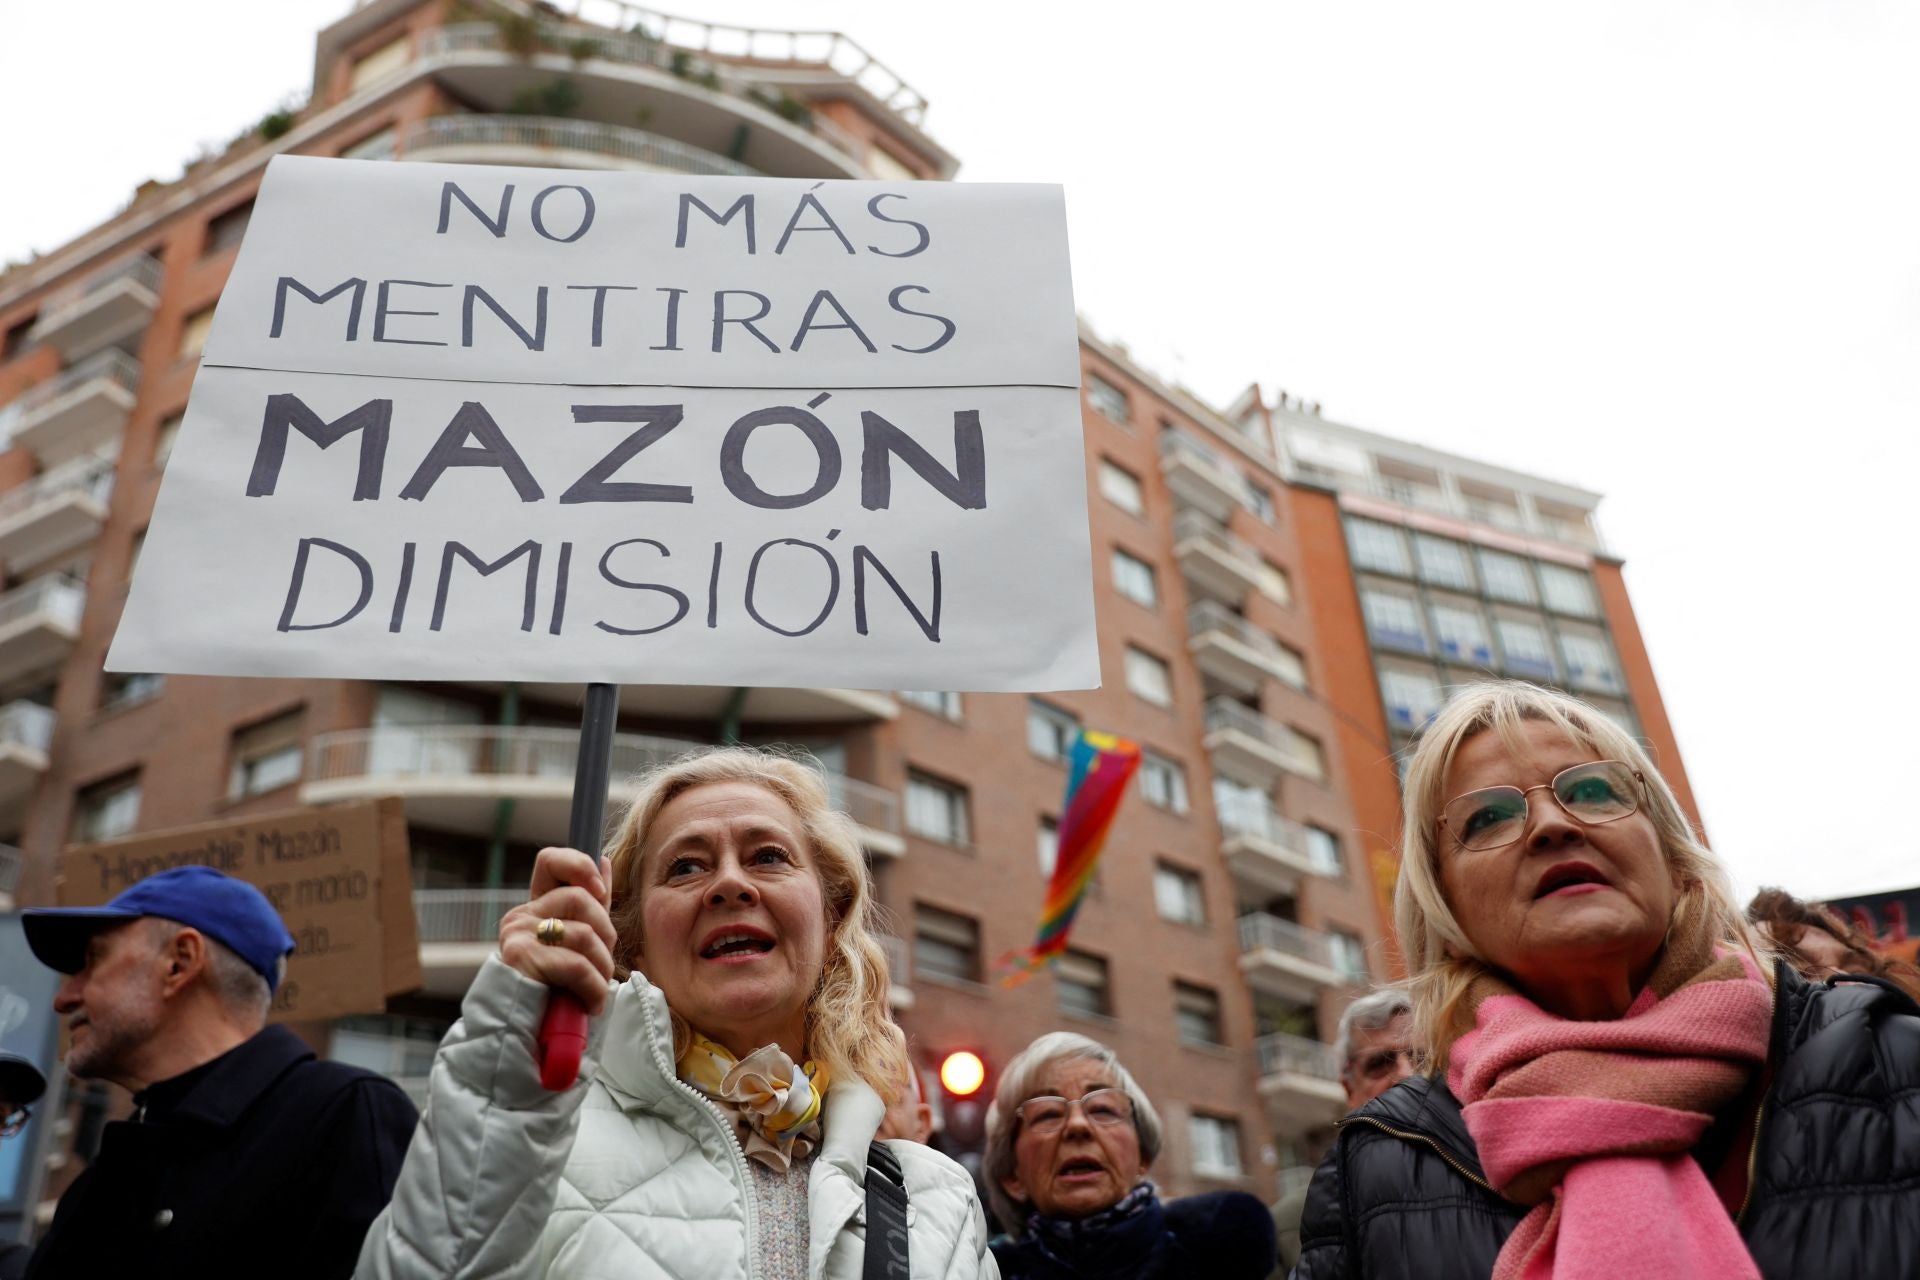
(1598, 1065)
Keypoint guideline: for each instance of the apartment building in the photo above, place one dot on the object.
(1234, 912)
(1428, 570)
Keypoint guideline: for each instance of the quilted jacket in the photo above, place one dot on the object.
(630, 1173)
(1836, 1161)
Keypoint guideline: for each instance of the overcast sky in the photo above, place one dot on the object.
(1666, 251)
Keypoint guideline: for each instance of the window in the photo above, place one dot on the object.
(1196, 1013)
(1176, 892)
(1133, 578)
(1379, 547)
(1108, 399)
(225, 231)
(1081, 981)
(107, 809)
(1046, 846)
(164, 439)
(193, 334)
(1412, 698)
(937, 702)
(1567, 591)
(1461, 634)
(1122, 488)
(1275, 585)
(1050, 731)
(1216, 1146)
(1260, 500)
(1393, 621)
(1589, 665)
(1323, 850)
(1442, 561)
(125, 688)
(1350, 955)
(1149, 677)
(17, 334)
(1507, 577)
(384, 61)
(936, 809)
(1524, 648)
(1291, 667)
(1309, 754)
(266, 756)
(1163, 782)
(945, 945)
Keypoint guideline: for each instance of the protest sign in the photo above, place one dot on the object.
(338, 876)
(465, 423)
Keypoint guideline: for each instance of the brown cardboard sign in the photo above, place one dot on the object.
(337, 874)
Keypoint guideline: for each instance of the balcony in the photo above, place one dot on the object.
(459, 928)
(39, 623)
(105, 308)
(1240, 656)
(26, 735)
(456, 778)
(1248, 746)
(554, 143)
(1281, 958)
(81, 412)
(1200, 478)
(1300, 1081)
(713, 704)
(11, 863)
(55, 512)
(701, 100)
(1262, 849)
(899, 969)
(1216, 564)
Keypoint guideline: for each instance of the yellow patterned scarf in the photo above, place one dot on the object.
(774, 1105)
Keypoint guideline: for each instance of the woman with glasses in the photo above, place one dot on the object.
(1069, 1140)
(1621, 1081)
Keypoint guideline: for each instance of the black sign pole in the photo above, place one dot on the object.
(563, 1031)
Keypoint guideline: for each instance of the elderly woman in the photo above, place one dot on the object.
(1621, 1082)
(1069, 1140)
(722, 1124)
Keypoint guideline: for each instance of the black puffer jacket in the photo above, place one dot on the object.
(1836, 1186)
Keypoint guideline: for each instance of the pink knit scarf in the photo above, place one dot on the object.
(1591, 1122)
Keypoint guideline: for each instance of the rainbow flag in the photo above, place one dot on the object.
(1098, 770)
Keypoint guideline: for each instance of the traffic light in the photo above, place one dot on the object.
(964, 1096)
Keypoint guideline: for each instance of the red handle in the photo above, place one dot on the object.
(563, 1038)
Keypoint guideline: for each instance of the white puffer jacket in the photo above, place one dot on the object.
(630, 1174)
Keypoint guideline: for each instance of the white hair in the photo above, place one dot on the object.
(1371, 1012)
(240, 987)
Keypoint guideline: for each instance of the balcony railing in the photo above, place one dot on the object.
(463, 915)
(114, 365)
(26, 724)
(551, 134)
(1224, 715)
(12, 861)
(1195, 526)
(92, 477)
(1246, 813)
(1499, 515)
(1178, 444)
(1259, 930)
(1211, 616)
(141, 269)
(62, 597)
(1283, 1054)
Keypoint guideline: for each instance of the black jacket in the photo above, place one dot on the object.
(263, 1162)
(1222, 1235)
(1836, 1161)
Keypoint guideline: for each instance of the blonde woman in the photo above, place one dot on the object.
(741, 1050)
(1622, 1081)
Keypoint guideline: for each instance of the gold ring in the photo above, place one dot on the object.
(552, 931)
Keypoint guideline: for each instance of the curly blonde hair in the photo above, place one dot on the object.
(849, 1027)
(1442, 962)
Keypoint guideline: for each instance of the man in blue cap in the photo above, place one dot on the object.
(245, 1154)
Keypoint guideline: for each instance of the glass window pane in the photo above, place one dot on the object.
(1411, 697)
(1149, 677)
(1443, 561)
(1568, 591)
(1122, 488)
(1461, 633)
(1047, 845)
(1107, 399)
(1506, 577)
(1134, 579)
(1323, 847)
(940, 702)
(1163, 782)
(1177, 895)
(1393, 621)
(936, 810)
(1196, 1012)
(1081, 981)
(1378, 547)
(1524, 649)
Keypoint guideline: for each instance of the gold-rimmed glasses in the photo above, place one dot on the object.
(1592, 793)
(1047, 1115)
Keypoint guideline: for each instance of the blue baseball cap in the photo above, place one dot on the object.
(230, 911)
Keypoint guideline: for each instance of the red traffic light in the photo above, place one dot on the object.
(962, 1073)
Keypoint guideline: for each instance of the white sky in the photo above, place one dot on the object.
(1667, 251)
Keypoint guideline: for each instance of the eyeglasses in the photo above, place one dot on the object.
(14, 1121)
(1593, 793)
(1047, 1115)
(1380, 1063)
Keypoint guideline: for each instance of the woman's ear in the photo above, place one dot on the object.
(1016, 1190)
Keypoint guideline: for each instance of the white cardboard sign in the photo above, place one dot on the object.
(457, 422)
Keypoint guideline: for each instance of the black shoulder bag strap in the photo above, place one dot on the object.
(886, 1216)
